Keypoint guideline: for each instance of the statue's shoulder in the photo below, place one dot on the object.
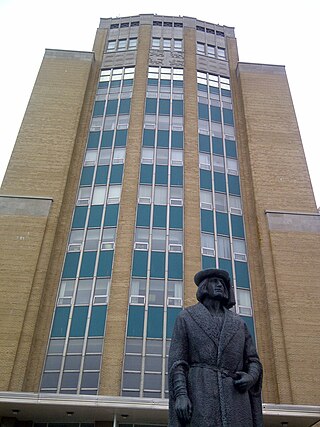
(185, 313)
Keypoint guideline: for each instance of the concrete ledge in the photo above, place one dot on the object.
(293, 222)
(24, 206)
(248, 67)
(72, 54)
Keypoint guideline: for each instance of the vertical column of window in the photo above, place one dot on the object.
(82, 302)
(208, 225)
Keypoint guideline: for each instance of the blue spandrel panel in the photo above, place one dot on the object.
(242, 274)
(155, 322)
(107, 138)
(95, 216)
(60, 322)
(204, 143)
(205, 180)
(222, 223)
(105, 264)
(176, 175)
(237, 226)
(93, 140)
(116, 174)
(79, 321)
(102, 174)
(135, 321)
(176, 139)
(208, 262)
(159, 216)
(87, 175)
(121, 138)
(148, 137)
(71, 265)
(140, 262)
(112, 107)
(234, 185)
(172, 314)
(151, 106)
(157, 269)
(176, 217)
(177, 107)
(217, 145)
(79, 217)
(163, 138)
(203, 111)
(124, 107)
(164, 107)
(215, 114)
(231, 149)
(161, 175)
(98, 108)
(228, 116)
(225, 264)
(175, 266)
(207, 221)
(87, 264)
(97, 321)
(143, 215)
(111, 217)
(219, 182)
(146, 172)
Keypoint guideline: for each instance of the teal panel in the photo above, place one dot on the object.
(175, 263)
(70, 265)
(128, 82)
(124, 107)
(160, 216)
(107, 138)
(205, 180)
(60, 322)
(177, 83)
(161, 174)
(153, 82)
(215, 114)
(102, 85)
(237, 226)
(95, 216)
(116, 83)
(234, 184)
(242, 274)
(88, 263)
(135, 321)
(143, 215)
(140, 262)
(112, 106)
(79, 217)
(225, 264)
(121, 138)
(222, 223)
(155, 322)
(87, 175)
(97, 321)
(146, 172)
(203, 111)
(217, 145)
(220, 182)
(93, 140)
(176, 139)
(116, 174)
(204, 143)
(172, 314)
(176, 217)
(164, 107)
(176, 175)
(111, 217)
(98, 108)
(228, 116)
(79, 321)
(213, 89)
(226, 92)
(165, 83)
(163, 138)
(231, 148)
(207, 221)
(208, 262)
(157, 268)
(249, 322)
(105, 264)
(201, 87)
(148, 137)
(177, 107)
(151, 106)
(102, 174)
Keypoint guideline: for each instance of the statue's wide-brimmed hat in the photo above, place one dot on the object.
(221, 274)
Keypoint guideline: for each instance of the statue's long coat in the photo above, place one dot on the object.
(206, 353)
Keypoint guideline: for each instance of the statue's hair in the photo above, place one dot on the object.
(203, 291)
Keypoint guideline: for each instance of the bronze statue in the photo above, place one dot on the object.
(215, 375)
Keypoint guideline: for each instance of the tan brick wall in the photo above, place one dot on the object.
(49, 137)
(111, 370)
(192, 254)
(274, 176)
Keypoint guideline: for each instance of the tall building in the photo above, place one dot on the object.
(136, 165)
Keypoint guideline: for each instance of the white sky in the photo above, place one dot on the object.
(268, 31)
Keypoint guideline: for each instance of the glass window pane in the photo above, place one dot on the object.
(156, 292)
(94, 345)
(160, 195)
(152, 382)
(224, 247)
(99, 194)
(131, 380)
(158, 239)
(92, 362)
(153, 363)
(90, 379)
(75, 345)
(70, 380)
(92, 240)
(134, 345)
(56, 346)
(72, 363)
(53, 363)
(132, 362)
(84, 291)
(239, 246)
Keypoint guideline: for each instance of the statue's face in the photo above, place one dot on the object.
(217, 289)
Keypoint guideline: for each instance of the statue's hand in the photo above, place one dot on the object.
(244, 381)
(183, 408)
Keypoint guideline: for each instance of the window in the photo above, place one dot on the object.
(155, 43)
(75, 240)
(160, 195)
(84, 196)
(175, 290)
(132, 43)
(144, 195)
(101, 291)
(99, 193)
(207, 244)
(244, 302)
(66, 292)
(111, 45)
(114, 194)
(221, 52)
(156, 292)
(104, 157)
(138, 292)
(239, 250)
(232, 165)
(205, 161)
(211, 50)
(221, 202)
(91, 157)
(235, 205)
(177, 45)
(119, 155)
(205, 200)
(218, 164)
(84, 291)
(200, 48)
(166, 44)
(141, 238)
(122, 44)
(92, 240)
(224, 247)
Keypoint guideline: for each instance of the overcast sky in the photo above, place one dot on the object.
(275, 31)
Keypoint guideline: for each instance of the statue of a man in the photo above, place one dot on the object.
(215, 375)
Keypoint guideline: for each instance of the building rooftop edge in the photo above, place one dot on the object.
(68, 52)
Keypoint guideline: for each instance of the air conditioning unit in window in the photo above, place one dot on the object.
(142, 246)
(175, 248)
(208, 251)
(176, 202)
(89, 162)
(117, 161)
(240, 257)
(74, 247)
(236, 211)
(144, 200)
(137, 299)
(174, 302)
(107, 246)
(65, 301)
(218, 168)
(247, 311)
(82, 202)
(177, 162)
(146, 161)
(205, 205)
(204, 166)
(100, 299)
(232, 171)
(113, 200)
(95, 128)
